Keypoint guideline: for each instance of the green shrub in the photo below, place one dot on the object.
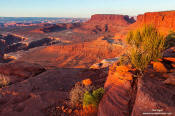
(77, 93)
(93, 98)
(146, 44)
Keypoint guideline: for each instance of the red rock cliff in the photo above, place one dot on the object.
(164, 21)
(106, 23)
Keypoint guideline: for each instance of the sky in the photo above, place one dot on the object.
(80, 8)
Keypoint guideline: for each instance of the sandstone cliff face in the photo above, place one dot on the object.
(117, 100)
(165, 21)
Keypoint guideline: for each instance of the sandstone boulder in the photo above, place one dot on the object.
(159, 67)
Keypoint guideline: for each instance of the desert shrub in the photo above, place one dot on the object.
(93, 98)
(4, 80)
(170, 40)
(146, 44)
(77, 93)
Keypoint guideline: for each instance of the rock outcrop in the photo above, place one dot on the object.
(118, 88)
(43, 42)
(11, 42)
(164, 21)
(101, 23)
(118, 19)
(58, 27)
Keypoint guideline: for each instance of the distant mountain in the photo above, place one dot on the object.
(28, 21)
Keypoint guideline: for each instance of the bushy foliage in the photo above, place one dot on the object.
(147, 44)
(93, 98)
(77, 93)
(4, 80)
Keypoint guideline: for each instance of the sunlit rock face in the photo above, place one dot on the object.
(163, 20)
(117, 97)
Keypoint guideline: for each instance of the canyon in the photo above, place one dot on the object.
(48, 59)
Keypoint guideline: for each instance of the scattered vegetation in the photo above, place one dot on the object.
(77, 93)
(93, 98)
(4, 80)
(146, 44)
(85, 94)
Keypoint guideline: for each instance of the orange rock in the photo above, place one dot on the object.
(122, 69)
(87, 82)
(159, 67)
(122, 72)
(170, 59)
(124, 75)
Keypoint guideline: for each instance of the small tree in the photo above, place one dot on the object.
(146, 44)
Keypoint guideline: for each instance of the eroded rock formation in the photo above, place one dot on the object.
(101, 23)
